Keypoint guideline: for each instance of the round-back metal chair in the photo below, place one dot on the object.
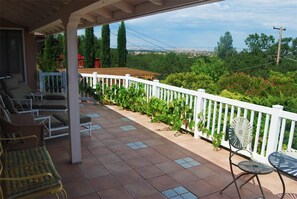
(240, 138)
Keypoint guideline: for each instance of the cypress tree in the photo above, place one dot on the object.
(105, 46)
(89, 51)
(122, 41)
(50, 53)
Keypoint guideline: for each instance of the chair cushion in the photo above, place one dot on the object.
(16, 93)
(26, 89)
(54, 96)
(18, 77)
(53, 104)
(19, 188)
(63, 117)
(24, 157)
(37, 104)
(11, 83)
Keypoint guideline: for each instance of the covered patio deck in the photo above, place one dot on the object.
(129, 157)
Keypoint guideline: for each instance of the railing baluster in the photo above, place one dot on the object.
(265, 134)
(257, 132)
(225, 118)
(214, 118)
(209, 114)
(238, 112)
(220, 118)
(245, 113)
(291, 135)
(232, 114)
(252, 118)
(282, 133)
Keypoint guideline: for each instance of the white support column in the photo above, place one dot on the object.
(70, 24)
(274, 130)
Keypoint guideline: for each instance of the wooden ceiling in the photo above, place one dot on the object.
(45, 16)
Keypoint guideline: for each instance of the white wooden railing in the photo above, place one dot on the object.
(274, 129)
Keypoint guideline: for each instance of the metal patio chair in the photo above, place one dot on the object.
(240, 137)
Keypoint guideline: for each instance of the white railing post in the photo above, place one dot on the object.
(127, 78)
(274, 130)
(41, 80)
(155, 90)
(198, 108)
(94, 79)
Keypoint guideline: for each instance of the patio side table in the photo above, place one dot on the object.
(283, 164)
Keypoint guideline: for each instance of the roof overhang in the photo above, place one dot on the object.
(46, 17)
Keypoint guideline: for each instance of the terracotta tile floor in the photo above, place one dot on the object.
(111, 169)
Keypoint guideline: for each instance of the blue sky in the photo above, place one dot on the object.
(201, 27)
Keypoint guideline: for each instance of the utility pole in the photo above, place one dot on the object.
(281, 29)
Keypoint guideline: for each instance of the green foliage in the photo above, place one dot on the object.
(114, 57)
(97, 47)
(89, 51)
(191, 80)
(175, 113)
(244, 84)
(122, 50)
(257, 43)
(158, 110)
(211, 66)
(81, 43)
(48, 63)
(217, 140)
(216, 137)
(105, 46)
(277, 89)
(47, 60)
(246, 62)
(225, 46)
(163, 63)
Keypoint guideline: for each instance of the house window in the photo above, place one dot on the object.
(11, 52)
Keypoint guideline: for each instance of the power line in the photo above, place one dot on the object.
(129, 42)
(243, 69)
(152, 38)
(156, 45)
(148, 42)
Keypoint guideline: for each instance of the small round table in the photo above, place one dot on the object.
(285, 164)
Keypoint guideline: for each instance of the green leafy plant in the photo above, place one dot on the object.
(216, 137)
(217, 140)
(201, 125)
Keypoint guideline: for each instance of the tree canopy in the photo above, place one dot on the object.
(225, 46)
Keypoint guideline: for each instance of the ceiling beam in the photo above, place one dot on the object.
(89, 18)
(157, 2)
(126, 7)
(95, 6)
(104, 13)
(75, 7)
(58, 15)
